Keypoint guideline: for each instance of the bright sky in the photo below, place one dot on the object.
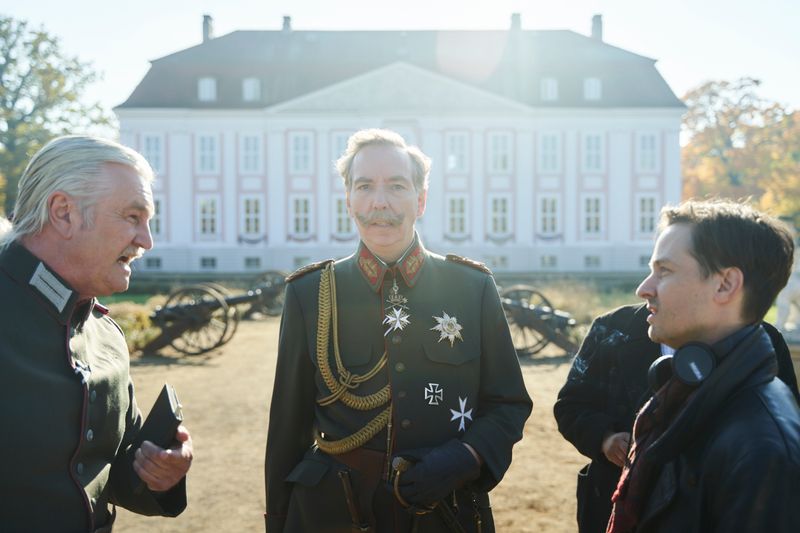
(692, 40)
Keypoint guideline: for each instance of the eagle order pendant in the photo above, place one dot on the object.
(397, 316)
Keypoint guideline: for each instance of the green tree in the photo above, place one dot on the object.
(741, 145)
(41, 91)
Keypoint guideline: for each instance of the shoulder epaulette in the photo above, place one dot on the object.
(302, 271)
(469, 262)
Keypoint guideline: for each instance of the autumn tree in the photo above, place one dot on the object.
(741, 145)
(41, 91)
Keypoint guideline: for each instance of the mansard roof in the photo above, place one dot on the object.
(507, 63)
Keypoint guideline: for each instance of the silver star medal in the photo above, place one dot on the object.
(397, 316)
(462, 414)
(448, 328)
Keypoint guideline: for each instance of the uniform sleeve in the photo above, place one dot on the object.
(126, 488)
(580, 409)
(504, 404)
(291, 418)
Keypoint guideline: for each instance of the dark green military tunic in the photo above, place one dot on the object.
(452, 370)
(67, 408)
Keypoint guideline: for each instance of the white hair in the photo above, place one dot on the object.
(72, 164)
(420, 163)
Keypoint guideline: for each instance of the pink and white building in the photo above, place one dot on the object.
(552, 151)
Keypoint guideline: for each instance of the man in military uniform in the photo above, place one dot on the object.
(398, 395)
(67, 408)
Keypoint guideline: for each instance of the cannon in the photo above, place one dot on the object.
(534, 322)
(198, 318)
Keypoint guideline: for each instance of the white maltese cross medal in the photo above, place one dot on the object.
(462, 414)
(397, 316)
(448, 328)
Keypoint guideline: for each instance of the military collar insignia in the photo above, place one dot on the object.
(448, 328)
(374, 269)
(50, 287)
(462, 414)
(371, 267)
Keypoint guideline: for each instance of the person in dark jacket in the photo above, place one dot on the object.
(67, 407)
(398, 395)
(605, 388)
(717, 446)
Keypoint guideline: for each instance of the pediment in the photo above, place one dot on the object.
(400, 88)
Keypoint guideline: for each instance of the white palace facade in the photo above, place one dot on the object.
(552, 151)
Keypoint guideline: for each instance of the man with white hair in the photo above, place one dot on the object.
(67, 407)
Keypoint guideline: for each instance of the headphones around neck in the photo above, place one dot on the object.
(692, 364)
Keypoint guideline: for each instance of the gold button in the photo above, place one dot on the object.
(401, 394)
(400, 367)
(406, 423)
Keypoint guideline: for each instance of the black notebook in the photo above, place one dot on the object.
(161, 423)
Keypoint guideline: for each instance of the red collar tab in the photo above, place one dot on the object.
(371, 267)
(410, 265)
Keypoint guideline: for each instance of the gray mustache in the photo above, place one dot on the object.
(376, 216)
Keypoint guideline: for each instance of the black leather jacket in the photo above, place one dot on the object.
(731, 459)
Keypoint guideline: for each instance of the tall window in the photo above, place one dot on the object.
(207, 149)
(301, 216)
(342, 224)
(208, 216)
(153, 151)
(500, 152)
(592, 215)
(592, 89)
(646, 153)
(500, 213)
(157, 222)
(548, 215)
(456, 152)
(646, 215)
(339, 144)
(457, 216)
(549, 153)
(300, 153)
(549, 89)
(251, 89)
(593, 153)
(250, 154)
(207, 89)
(251, 215)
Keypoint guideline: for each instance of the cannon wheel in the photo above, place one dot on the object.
(233, 312)
(207, 319)
(527, 340)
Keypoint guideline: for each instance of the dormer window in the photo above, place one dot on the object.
(592, 89)
(549, 89)
(207, 89)
(251, 89)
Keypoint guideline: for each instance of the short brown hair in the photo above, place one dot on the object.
(733, 234)
(420, 163)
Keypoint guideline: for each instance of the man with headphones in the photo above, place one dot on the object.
(717, 447)
(606, 387)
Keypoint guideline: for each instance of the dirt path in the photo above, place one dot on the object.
(226, 397)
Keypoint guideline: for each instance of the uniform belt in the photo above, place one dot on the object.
(363, 460)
